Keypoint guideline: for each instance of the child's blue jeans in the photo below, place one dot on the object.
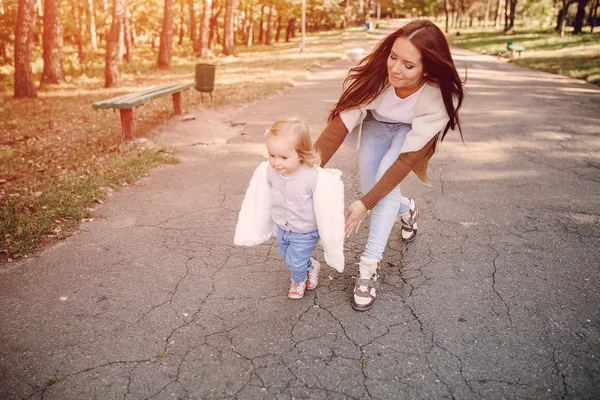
(380, 146)
(295, 249)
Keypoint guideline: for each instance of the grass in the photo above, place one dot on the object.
(58, 156)
(576, 56)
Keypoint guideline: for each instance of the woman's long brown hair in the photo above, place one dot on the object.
(368, 79)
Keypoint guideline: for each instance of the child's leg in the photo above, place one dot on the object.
(299, 250)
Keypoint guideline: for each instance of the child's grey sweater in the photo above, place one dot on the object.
(292, 209)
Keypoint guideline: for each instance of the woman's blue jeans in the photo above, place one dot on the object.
(380, 146)
(296, 249)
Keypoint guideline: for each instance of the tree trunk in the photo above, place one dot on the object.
(506, 27)
(214, 26)
(205, 28)
(486, 14)
(111, 68)
(593, 14)
(78, 8)
(181, 23)
(269, 33)
(54, 72)
(229, 33)
(513, 12)
(447, 16)
(291, 29)
(127, 37)
(250, 31)
(166, 36)
(24, 85)
(193, 35)
(278, 29)
(261, 22)
(498, 14)
(92, 24)
(579, 17)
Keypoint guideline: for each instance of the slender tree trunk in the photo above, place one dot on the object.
(513, 12)
(111, 69)
(579, 17)
(166, 36)
(250, 28)
(205, 28)
(447, 16)
(181, 23)
(92, 24)
(261, 23)
(498, 14)
(214, 28)
(506, 27)
(593, 14)
(291, 29)
(229, 33)
(486, 15)
(269, 33)
(128, 39)
(24, 84)
(54, 72)
(193, 34)
(278, 29)
(78, 8)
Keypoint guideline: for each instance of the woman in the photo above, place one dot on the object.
(397, 104)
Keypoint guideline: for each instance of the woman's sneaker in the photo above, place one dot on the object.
(366, 284)
(297, 290)
(313, 276)
(409, 223)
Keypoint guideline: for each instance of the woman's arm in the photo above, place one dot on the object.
(331, 139)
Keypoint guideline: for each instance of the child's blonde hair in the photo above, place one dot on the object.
(297, 130)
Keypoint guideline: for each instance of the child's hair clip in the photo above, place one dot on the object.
(267, 131)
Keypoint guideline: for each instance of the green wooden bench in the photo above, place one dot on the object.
(515, 48)
(126, 103)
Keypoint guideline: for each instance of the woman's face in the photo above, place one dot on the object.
(405, 68)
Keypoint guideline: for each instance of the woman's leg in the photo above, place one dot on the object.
(379, 149)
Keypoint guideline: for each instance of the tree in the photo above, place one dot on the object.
(166, 36)
(229, 34)
(193, 35)
(54, 72)
(579, 17)
(24, 85)
(111, 69)
(205, 27)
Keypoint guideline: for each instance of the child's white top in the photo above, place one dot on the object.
(256, 226)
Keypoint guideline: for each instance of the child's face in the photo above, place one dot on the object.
(282, 155)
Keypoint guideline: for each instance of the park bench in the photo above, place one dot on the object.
(126, 103)
(515, 48)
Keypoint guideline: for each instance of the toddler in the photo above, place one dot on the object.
(292, 177)
(297, 201)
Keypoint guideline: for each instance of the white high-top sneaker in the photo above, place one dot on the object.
(409, 223)
(366, 284)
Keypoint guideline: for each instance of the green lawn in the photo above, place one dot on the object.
(577, 56)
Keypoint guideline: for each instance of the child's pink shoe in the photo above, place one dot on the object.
(297, 290)
(313, 276)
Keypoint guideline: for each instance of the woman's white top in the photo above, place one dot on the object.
(394, 109)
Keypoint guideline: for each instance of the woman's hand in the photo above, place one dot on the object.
(355, 214)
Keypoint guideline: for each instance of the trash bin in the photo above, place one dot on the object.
(369, 26)
(205, 77)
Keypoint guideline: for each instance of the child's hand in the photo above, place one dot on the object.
(355, 214)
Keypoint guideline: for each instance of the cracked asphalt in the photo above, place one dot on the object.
(498, 297)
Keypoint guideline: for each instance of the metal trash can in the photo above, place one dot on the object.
(205, 78)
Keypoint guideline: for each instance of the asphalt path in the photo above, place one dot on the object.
(496, 298)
